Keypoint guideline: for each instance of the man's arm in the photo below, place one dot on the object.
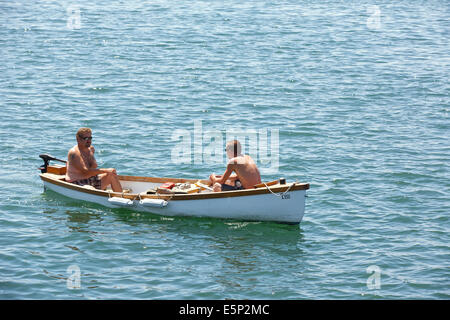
(94, 162)
(227, 174)
(75, 161)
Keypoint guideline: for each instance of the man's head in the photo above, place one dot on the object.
(84, 137)
(233, 148)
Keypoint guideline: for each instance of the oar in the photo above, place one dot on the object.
(201, 185)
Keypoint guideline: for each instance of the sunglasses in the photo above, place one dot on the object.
(86, 138)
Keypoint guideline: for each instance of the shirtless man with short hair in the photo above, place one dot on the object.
(247, 173)
(82, 167)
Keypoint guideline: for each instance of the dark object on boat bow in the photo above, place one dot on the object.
(47, 158)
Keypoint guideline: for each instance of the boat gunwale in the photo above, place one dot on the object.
(57, 180)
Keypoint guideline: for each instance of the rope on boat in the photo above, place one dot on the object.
(159, 194)
(120, 201)
(150, 202)
(135, 198)
(156, 194)
(280, 194)
(109, 195)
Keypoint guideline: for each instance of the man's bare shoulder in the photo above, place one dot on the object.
(249, 159)
(73, 152)
(238, 160)
(234, 160)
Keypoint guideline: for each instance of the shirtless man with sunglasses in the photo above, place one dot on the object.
(82, 167)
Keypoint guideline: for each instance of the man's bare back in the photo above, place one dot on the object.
(243, 165)
(246, 170)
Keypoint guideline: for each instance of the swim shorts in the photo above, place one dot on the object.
(237, 186)
(92, 181)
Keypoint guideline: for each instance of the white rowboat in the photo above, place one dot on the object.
(277, 202)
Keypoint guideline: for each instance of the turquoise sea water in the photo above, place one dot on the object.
(359, 94)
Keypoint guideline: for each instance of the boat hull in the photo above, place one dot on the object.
(285, 207)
